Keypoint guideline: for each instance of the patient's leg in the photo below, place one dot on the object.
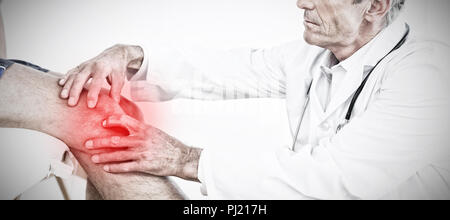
(91, 192)
(126, 186)
(29, 99)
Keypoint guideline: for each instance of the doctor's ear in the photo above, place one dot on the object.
(378, 10)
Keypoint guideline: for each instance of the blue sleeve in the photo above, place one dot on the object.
(4, 64)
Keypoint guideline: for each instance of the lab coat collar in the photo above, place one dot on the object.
(359, 64)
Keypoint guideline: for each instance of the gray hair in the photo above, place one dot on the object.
(396, 8)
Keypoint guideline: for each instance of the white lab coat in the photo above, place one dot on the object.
(396, 145)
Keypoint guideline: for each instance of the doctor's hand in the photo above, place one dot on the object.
(110, 66)
(147, 150)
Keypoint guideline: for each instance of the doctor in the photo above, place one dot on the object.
(368, 105)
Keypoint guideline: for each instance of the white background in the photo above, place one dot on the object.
(60, 34)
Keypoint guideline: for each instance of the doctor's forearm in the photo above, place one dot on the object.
(189, 164)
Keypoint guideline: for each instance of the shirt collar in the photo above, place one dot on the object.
(367, 57)
(360, 63)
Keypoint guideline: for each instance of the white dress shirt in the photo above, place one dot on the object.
(396, 145)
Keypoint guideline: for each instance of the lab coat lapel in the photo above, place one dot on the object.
(350, 84)
(316, 106)
(298, 83)
(297, 87)
(317, 111)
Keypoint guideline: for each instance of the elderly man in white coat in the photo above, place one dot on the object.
(368, 105)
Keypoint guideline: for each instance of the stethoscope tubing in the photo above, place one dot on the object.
(355, 96)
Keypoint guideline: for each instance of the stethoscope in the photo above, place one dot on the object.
(355, 96)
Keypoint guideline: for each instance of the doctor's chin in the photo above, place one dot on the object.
(239, 101)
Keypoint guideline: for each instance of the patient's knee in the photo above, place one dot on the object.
(86, 123)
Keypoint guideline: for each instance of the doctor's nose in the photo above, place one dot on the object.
(305, 4)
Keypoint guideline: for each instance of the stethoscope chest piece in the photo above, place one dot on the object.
(341, 125)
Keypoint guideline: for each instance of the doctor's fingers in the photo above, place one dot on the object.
(115, 142)
(98, 78)
(123, 167)
(117, 79)
(67, 81)
(67, 85)
(69, 73)
(98, 71)
(134, 126)
(115, 157)
(78, 82)
(94, 91)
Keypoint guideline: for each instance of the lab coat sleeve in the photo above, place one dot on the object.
(405, 129)
(210, 75)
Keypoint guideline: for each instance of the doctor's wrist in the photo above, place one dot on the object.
(188, 169)
(133, 55)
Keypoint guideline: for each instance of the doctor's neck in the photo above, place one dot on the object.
(367, 32)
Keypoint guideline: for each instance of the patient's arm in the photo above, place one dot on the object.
(29, 99)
